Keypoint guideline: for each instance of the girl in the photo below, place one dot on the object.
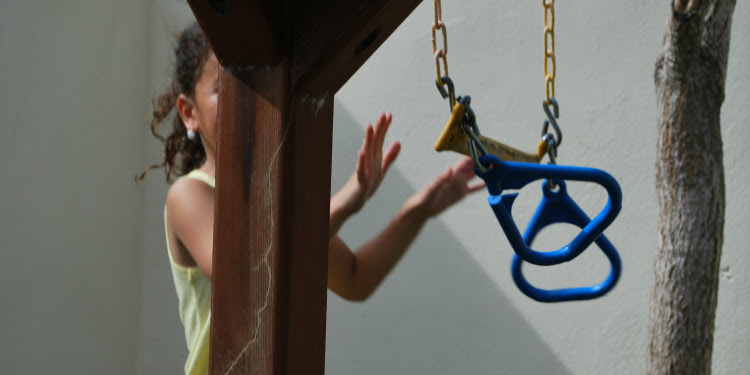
(190, 154)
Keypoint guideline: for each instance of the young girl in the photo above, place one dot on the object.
(190, 154)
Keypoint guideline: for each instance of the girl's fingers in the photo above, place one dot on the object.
(390, 156)
(378, 129)
(441, 180)
(361, 169)
(381, 128)
(466, 169)
(465, 165)
(386, 125)
(368, 147)
(476, 187)
(364, 139)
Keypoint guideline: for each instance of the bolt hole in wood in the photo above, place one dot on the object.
(367, 41)
(220, 6)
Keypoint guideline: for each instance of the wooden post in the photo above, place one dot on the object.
(273, 178)
(282, 63)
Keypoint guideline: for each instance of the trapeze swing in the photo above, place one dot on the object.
(503, 167)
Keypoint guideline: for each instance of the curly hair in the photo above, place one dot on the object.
(181, 155)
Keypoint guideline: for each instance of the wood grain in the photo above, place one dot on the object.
(282, 63)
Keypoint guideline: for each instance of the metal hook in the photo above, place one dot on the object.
(473, 143)
(551, 147)
(466, 101)
(451, 93)
(474, 126)
(471, 129)
(552, 118)
(549, 138)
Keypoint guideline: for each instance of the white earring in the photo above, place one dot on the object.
(190, 134)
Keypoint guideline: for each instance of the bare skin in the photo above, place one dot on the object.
(353, 275)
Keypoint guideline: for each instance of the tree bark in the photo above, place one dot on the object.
(690, 76)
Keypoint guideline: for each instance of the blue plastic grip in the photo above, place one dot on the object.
(514, 175)
(558, 207)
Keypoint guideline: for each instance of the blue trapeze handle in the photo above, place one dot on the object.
(558, 207)
(514, 175)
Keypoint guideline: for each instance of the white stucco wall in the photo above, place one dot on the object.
(72, 86)
(85, 280)
(451, 306)
(161, 339)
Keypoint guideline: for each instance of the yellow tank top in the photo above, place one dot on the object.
(194, 295)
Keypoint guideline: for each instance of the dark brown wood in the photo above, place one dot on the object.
(308, 183)
(271, 227)
(282, 63)
(248, 291)
(244, 32)
(332, 39)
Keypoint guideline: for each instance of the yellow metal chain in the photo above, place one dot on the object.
(549, 49)
(454, 136)
(440, 54)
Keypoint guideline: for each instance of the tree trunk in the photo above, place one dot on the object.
(690, 76)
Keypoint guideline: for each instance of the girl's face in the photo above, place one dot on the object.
(206, 95)
(199, 113)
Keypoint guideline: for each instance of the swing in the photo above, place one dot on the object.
(503, 167)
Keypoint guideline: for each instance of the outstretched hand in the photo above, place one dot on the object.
(448, 188)
(372, 165)
(356, 277)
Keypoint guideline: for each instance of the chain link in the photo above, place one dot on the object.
(466, 121)
(437, 12)
(440, 54)
(549, 49)
(552, 140)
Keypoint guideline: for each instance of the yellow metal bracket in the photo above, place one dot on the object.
(453, 138)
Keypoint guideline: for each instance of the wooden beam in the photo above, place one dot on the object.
(273, 170)
(245, 305)
(271, 227)
(308, 181)
(244, 32)
(332, 39)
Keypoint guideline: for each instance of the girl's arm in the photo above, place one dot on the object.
(355, 275)
(190, 203)
(190, 213)
(372, 165)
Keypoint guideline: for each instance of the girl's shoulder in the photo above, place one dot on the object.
(195, 182)
(200, 175)
(190, 192)
(188, 211)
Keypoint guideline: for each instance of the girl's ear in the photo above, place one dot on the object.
(186, 109)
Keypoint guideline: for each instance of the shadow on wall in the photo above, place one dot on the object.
(437, 313)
